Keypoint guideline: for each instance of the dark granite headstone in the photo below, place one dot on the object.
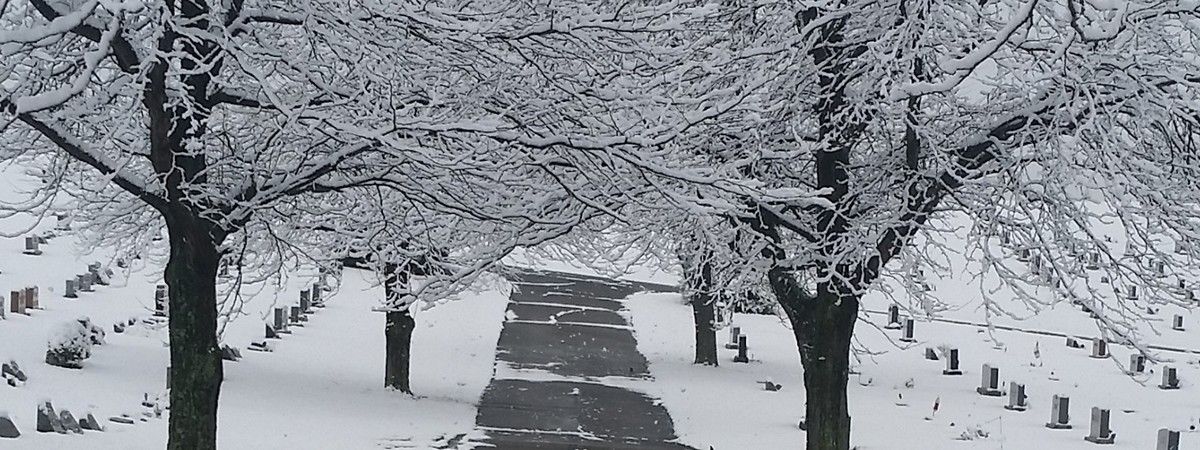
(48, 420)
(89, 422)
(1099, 432)
(8, 429)
(230, 354)
(69, 422)
(122, 419)
(1167, 440)
(1060, 415)
(952, 363)
(742, 357)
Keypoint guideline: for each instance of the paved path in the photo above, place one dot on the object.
(564, 334)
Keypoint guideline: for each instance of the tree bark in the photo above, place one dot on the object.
(700, 291)
(705, 317)
(398, 332)
(823, 325)
(196, 367)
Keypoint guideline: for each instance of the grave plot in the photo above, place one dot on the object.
(335, 360)
(901, 399)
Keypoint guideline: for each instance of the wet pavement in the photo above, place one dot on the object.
(564, 336)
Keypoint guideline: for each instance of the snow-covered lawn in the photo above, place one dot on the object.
(724, 407)
(320, 389)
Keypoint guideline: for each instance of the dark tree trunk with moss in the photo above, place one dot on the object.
(196, 366)
(398, 332)
(823, 325)
(698, 280)
(705, 317)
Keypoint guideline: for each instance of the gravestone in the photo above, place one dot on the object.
(1100, 433)
(989, 383)
(295, 316)
(1132, 294)
(1099, 348)
(89, 422)
(261, 346)
(48, 420)
(952, 363)
(1177, 323)
(11, 369)
(84, 281)
(122, 419)
(1167, 440)
(893, 322)
(18, 302)
(1093, 261)
(1023, 255)
(230, 354)
(281, 325)
(1035, 264)
(3, 308)
(742, 356)
(1137, 363)
(734, 332)
(31, 298)
(98, 277)
(1060, 413)
(305, 301)
(908, 331)
(160, 301)
(316, 296)
(8, 429)
(270, 332)
(1072, 343)
(1170, 379)
(69, 422)
(930, 354)
(1016, 397)
(31, 246)
(70, 291)
(1160, 268)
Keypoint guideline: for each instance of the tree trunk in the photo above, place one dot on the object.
(823, 325)
(825, 355)
(705, 317)
(196, 370)
(398, 332)
(699, 288)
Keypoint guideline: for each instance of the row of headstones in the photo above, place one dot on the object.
(284, 318)
(1137, 362)
(20, 302)
(737, 341)
(895, 322)
(1100, 432)
(85, 282)
(907, 324)
(49, 421)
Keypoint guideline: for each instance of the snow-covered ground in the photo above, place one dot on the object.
(890, 401)
(320, 389)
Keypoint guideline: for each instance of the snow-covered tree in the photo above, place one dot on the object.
(217, 120)
(1027, 126)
